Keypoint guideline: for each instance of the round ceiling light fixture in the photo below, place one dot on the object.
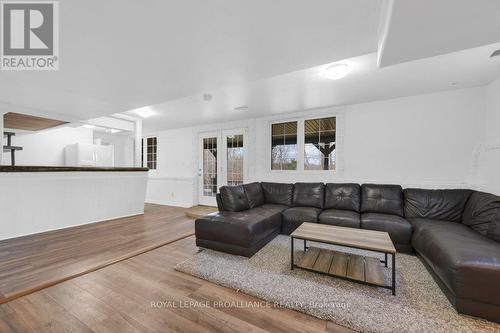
(337, 72)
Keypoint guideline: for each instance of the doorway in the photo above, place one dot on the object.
(222, 161)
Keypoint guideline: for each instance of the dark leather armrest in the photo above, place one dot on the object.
(219, 202)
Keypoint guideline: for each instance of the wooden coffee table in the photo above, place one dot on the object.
(352, 267)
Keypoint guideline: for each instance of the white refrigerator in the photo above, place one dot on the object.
(87, 155)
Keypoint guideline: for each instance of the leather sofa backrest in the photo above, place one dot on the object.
(234, 198)
(254, 194)
(382, 199)
(482, 213)
(308, 194)
(343, 196)
(445, 205)
(278, 193)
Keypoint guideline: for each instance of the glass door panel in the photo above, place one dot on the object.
(235, 158)
(210, 167)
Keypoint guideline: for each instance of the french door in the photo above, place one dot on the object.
(222, 161)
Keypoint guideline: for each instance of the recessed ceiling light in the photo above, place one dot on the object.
(337, 72)
(145, 112)
(89, 126)
(241, 108)
(113, 131)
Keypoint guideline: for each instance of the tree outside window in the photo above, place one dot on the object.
(319, 144)
(284, 146)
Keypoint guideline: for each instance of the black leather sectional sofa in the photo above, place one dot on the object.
(456, 232)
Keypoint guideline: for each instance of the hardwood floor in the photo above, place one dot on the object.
(145, 294)
(118, 298)
(34, 262)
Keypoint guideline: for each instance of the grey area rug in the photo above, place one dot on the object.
(419, 305)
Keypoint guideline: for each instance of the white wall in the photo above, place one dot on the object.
(46, 148)
(174, 182)
(425, 141)
(123, 147)
(488, 155)
(33, 202)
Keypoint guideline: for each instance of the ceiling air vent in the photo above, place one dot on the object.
(241, 108)
(494, 54)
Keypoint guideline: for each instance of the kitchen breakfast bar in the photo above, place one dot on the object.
(36, 199)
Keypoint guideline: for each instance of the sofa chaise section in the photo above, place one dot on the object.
(454, 232)
(239, 233)
(465, 264)
(237, 228)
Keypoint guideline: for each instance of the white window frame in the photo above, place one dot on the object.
(337, 113)
(145, 152)
(270, 148)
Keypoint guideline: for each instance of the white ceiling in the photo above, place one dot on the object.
(118, 55)
(416, 29)
(307, 89)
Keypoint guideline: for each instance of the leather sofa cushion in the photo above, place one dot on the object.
(445, 205)
(234, 198)
(275, 207)
(418, 224)
(398, 228)
(308, 194)
(254, 194)
(467, 262)
(342, 196)
(382, 199)
(295, 216)
(278, 193)
(482, 214)
(244, 228)
(342, 218)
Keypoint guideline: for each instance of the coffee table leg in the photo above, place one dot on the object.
(305, 245)
(385, 259)
(394, 274)
(291, 255)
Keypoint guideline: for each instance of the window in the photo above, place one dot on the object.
(235, 154)
(284, 146)
(319, 144)
(150, 153)
(316, 139)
